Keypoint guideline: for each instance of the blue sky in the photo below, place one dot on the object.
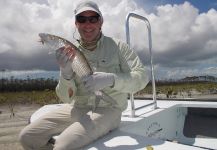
(184, 33)
(201, 5)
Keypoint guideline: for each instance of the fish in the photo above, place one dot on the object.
(79, 63)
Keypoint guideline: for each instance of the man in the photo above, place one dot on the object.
(117, 71)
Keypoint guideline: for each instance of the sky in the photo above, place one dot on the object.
(184, 33)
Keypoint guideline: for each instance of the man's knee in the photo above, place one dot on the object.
(29, 140)
(24, 138)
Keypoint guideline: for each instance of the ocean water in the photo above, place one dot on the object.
(32, 74)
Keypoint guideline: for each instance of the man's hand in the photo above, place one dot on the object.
(64, 56)
(98, 81)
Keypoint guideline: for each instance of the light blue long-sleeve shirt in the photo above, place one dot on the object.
(112, 56)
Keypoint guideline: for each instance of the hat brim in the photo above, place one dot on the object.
(87, 9)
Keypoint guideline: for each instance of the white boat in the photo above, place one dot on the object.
(158, 124)
(181, 125)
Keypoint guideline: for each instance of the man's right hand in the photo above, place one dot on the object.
(64, 56)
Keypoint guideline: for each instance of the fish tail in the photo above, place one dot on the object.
(105, 97)
(97, 100)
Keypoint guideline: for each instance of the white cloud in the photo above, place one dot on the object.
(171, 25)
(211, 71)
(4, 47)
(181, 35)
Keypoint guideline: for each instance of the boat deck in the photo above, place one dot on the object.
(157, 129)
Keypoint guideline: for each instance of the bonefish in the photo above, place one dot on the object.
(79, 62)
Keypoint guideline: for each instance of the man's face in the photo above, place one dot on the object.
(89, 29)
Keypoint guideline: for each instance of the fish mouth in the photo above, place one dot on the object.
(42, 37)
(41, 34)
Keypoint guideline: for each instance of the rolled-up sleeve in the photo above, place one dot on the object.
(62, 90)
(133, 76)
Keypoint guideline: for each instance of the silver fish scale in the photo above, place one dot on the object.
(55, 43)
(80, 65)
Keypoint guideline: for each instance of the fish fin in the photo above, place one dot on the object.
(101, 95)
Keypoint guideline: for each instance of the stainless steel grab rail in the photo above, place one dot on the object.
(151, 59)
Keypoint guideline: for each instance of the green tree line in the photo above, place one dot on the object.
(17, 85)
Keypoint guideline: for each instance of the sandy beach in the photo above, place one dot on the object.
(10, 125)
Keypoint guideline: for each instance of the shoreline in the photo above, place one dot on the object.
(200, 97)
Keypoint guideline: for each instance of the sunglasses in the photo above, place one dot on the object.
(84, 19)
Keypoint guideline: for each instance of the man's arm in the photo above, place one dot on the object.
(66, 87)
(134, 75)
(66, 90)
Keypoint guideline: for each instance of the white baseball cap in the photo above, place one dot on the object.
(87, 5)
